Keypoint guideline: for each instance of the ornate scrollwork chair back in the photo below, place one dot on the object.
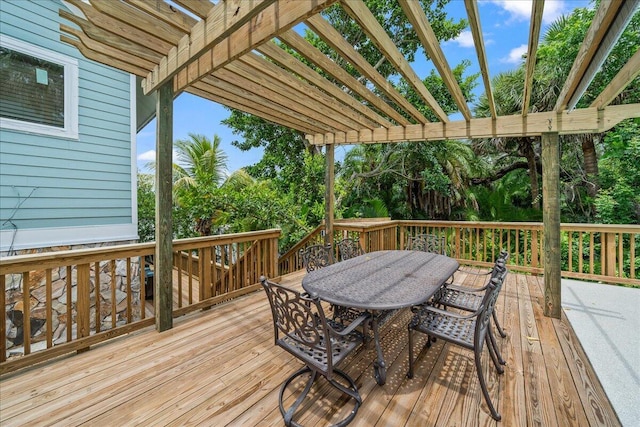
(302, 329)
(315, 257)
(349, 248)
(428, 243)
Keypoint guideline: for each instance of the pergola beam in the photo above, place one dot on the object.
(478, 40)
(584, 120)
(229, 31)
(603, 19)
(361, 14)
(334, 39)
(537, 9)
(316, 57)
(296, 67)
(203, 90)
(431, 45)
(300, 91)
(625, 76)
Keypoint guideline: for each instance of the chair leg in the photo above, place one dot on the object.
(288, 414)
(500, 330)
(350, 390)
(495, 356)
(483, 385)
(494, 345)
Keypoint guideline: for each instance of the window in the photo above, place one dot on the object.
(39, 90)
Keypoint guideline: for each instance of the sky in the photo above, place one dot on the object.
(505, 28)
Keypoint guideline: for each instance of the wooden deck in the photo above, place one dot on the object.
(220, 367)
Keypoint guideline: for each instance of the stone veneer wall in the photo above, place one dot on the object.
(14, 307)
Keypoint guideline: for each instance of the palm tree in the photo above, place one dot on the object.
(508, 91)
(200, 161)
(201, 168)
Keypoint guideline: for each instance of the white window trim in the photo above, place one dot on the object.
(70, 65)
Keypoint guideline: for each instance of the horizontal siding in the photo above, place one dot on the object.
(30, 183)
(71, 183)
(89, 145)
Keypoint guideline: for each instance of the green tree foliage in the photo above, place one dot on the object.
(146, 208)
(200, 170)
(579, 162)
(618, 201)
(286, 158)
(413, 180)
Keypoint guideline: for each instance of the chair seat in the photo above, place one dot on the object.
(459, 331)
(457, 297)
(340, 348)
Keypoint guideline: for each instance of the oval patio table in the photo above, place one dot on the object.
(379, 282)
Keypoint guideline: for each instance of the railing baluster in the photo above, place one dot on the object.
(26, 313)
(69, 314)
(3, 325)
(114, 302)
(48, 306)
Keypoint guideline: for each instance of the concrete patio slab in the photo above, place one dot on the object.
(606, 319)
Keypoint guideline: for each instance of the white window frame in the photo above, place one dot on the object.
(70, 129)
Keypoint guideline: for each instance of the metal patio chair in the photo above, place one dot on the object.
(349, 248)
(316, 256)
(465, 330)
(468, 298)
(301, 328)
(428, 243)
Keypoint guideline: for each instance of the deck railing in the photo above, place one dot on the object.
(66, 301)
(598, 252)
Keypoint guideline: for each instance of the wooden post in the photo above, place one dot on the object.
(163, 274)
(551, 223)
(328, 193)
(83, 302)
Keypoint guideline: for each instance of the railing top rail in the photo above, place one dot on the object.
(21, 263)
(295, 248)
(221, 239)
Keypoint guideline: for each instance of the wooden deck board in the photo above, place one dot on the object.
(220, 367)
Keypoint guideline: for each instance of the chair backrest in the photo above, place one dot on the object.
(349, 248)
(300, 325)
(488, 304)
(428, 243)
(316, 256)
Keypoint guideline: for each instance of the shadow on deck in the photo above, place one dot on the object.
(220, 367)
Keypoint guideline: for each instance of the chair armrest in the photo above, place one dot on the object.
(446, 313)
(365, 316)
(467, 289)
(473, 272)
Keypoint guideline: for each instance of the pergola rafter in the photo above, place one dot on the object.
(159, 42)
(226, 52)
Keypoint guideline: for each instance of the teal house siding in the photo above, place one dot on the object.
(68, 190)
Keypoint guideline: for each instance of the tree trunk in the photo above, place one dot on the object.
(526, 149)
(590, 164)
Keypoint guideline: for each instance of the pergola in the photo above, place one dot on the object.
(226, 52)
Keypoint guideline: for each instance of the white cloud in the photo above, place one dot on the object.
(149, 156)
(520, 10)
(515, 55)
(465, 39)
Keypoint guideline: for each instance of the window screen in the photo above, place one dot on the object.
(32, 89)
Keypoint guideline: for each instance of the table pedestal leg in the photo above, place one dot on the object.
(379, 366)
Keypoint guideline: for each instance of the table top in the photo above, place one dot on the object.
(382, 280)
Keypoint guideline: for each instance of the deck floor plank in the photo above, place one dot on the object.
(512, 403)
(539, 400)
(564, 391)
(220, 367)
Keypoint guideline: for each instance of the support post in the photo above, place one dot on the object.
(163, 273)
(551, 223)
(329, 179)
